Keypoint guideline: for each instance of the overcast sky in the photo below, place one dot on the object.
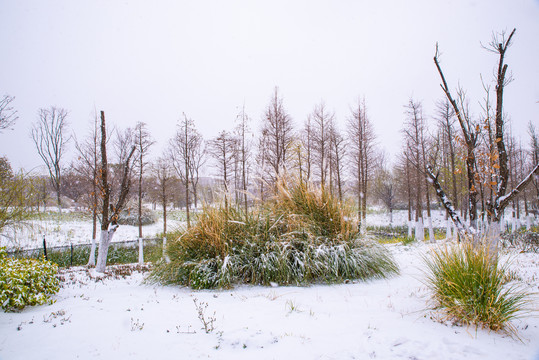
(152, 60)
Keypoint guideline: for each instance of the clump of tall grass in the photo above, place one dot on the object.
(471, 288)
(303, 235)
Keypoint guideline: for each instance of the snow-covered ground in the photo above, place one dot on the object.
(381, 319)
(73, 232)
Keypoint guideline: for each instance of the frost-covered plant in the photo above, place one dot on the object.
(471, 288)
(26, 282)
(303, 236)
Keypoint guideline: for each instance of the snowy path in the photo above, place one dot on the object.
(382, 319)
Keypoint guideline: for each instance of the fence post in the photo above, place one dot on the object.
(45, 248)
(140, 251)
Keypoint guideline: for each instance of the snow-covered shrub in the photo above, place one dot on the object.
(26, 282)
(470, 287)
(303, 236)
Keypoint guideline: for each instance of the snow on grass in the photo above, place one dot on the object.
(117, 318)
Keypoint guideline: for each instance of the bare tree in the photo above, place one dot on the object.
(278, 131)
(222, 150)
(8, 116)
(48, 136)
(338, 145)
(110, 211)
(244, 153)
(185, 153)
(143, 142)
(163, 173)
(470, 135)
(502, 197)
(385, 189)
(361, 143)
(87, 166)
(308, 144)
(322, 122)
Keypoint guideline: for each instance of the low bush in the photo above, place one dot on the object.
(303, 236)
(26, 282)
(470, 287)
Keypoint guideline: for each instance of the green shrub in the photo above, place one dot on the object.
(303, 236)
(26, 282)
(470, 287)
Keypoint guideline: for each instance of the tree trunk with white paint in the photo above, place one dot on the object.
(91, 261)
(106, 238)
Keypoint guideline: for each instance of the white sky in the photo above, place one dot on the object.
(152, 60)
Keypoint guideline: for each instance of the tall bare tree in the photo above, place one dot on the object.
(307, 139)
(48, 134)
(87, 166)
(470, 131)
(502, 197)
(110, 210)
(222, 150)
(361, 142)
(185, 153)
(8, 115)
(163, 174)
(338, 145)
(244, 152)
(279, 135)
(322, 121)
(143, 142)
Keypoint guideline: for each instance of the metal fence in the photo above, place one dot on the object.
(78, 254)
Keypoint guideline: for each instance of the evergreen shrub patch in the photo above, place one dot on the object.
(304, 235)
(26, 282)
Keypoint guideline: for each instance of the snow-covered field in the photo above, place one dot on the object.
(381, 319)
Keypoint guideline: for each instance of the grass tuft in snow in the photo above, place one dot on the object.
(303, 236)
(472, 288)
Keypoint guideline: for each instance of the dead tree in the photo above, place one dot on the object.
(48, 134)
(8, 115)
(110, 211)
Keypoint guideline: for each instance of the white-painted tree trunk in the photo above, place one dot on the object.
(448, 232)
(104, 242)
(493, 237)
(431, 230)
(419, 230)
(410, 229)
(91, 261)
(140, 251)
(513, 224)
(528, 222)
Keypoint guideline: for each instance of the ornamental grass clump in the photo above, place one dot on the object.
(302, 236)
(26, 282)
(471, 288)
